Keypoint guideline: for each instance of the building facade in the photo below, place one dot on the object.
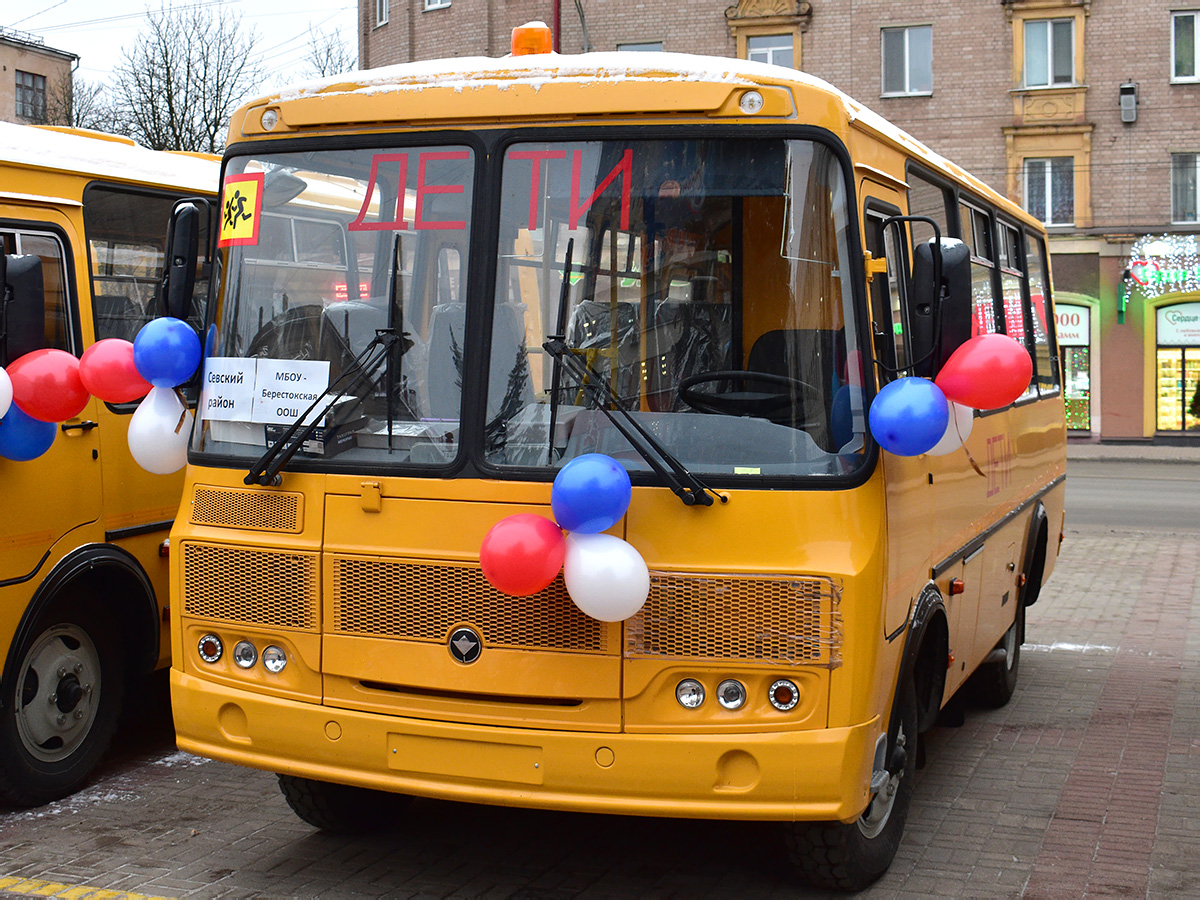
(1087, 112)
(35, 80)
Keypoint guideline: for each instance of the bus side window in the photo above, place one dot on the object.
(1045, 353)
(58, 331)
(887, 293)
(977, 234)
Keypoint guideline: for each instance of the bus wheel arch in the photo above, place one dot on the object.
(66, 672)
(1035, 558)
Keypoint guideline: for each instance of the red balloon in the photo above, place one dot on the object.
(522, 554)
(46, 385)
(107, 370)
(987, 372)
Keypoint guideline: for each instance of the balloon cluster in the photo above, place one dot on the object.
(48, 386)
(911, 416)
(605, 576)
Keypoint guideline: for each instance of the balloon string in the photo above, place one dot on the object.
(971, 460)
(183, 415)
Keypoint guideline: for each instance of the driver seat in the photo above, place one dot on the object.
(808, 354)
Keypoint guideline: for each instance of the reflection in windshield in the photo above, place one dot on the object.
(707, 288)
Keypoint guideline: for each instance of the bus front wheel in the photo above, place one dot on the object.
(843, 857)
(340, 808)
(60, 707)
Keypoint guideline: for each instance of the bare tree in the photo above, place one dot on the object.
(175, 89)
(328, 54)
(79, 103)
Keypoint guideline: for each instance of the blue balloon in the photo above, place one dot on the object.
(909, 416)
(23, 437)
(591, 493)
(166, 351)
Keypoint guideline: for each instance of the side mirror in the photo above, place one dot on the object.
(23, 318)
(940, 313)
(183, 251)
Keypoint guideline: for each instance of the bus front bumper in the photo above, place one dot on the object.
(819, 774)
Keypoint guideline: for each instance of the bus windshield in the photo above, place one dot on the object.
(699, 286)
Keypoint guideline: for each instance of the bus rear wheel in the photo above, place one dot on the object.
(849, 857)
(60, 707)
(994, 682)
(341, 808)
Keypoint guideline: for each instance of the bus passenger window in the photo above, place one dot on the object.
(1045, 354)
(977, 234)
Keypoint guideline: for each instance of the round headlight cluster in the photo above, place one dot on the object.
(245, 654)
(731, 694)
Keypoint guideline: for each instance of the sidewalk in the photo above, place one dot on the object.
(1109, 452)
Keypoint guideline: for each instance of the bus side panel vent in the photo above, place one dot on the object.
(769, 620)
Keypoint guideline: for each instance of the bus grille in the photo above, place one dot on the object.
(424, 601)
(782, 620)
(258, 587)
(256, 510)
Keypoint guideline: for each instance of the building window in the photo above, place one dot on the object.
(773, 49)
(436, 4)
(381, 12)
(1050, 189)
(643, 47)
(31, 96)
(907, 60)
(1185, 186)
(1183, 46)
(1049, 52)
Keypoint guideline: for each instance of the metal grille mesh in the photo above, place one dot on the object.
(260, 587)
(258, 510)
(769, 620)
(423, 601)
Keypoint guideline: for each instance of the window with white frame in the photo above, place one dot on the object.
(642, 47)
(1184, 65)
(1050, 189)
(1049, 52)
(1185, 187)
(774, 49)
(31, 96)
(907, 55)
(436, 4)
(381, 12)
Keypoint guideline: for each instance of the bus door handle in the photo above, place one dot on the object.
(85, 426)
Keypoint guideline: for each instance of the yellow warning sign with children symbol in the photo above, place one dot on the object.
(241, 209)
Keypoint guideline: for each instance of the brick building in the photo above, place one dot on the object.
(1085, 111)
(34, 80)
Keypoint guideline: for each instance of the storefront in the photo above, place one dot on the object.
(1177, 367)
(1164, 273)
(1075, 350)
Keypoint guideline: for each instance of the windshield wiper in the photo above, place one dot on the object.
(686, 486)
(265, 469)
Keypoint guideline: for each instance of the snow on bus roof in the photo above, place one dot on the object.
(104, 156)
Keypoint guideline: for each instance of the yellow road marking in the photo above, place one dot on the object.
(37, 888)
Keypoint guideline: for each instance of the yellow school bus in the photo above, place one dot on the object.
(441, 283)
(83, 585)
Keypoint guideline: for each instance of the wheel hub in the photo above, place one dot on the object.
(57, 693)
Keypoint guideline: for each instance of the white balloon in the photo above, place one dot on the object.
(605, 576)
(5, 393)
(958, 429)
(156, 439)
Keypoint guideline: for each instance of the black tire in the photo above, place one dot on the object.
(340, 808)
(61, 707)
(993, 683)
(841, 857)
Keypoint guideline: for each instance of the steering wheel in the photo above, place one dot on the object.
(774, 405)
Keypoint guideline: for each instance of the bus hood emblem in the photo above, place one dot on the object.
(465, 645)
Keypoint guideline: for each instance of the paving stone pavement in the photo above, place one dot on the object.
(1086, 784)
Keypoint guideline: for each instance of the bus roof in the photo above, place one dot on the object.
(94, 154)
(556, 86)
